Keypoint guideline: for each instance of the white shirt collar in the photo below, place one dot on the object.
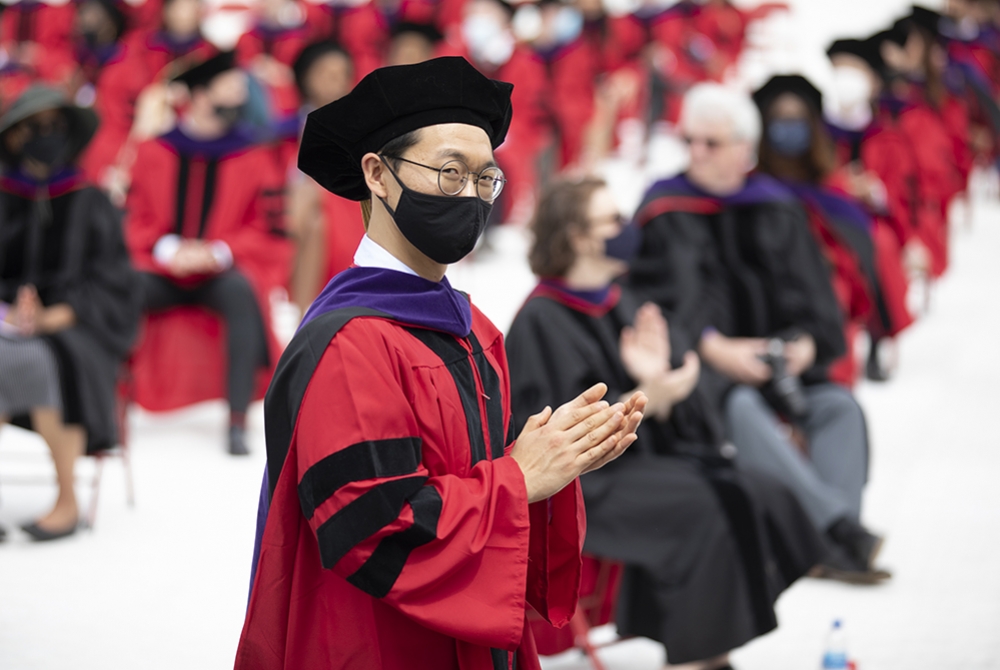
(371, 254)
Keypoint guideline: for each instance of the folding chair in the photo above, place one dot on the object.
(599, 593)
(121, 450)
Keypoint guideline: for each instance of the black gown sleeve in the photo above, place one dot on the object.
(100, 284)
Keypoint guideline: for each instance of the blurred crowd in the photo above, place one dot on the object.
(149, 177)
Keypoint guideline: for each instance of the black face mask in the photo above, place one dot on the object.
(49, 149)
(445, 228)
(91, 38)
(228, 114)
(625, 245)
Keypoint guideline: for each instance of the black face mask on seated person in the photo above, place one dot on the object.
(49, 150)
(445, 228)
(229, 114)
(626, 244)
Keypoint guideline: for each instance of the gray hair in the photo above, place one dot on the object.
(715, 102)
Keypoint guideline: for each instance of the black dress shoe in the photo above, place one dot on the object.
(238, 441)
(862, 545)
(3, 533)
(39, 534)
(838, 565)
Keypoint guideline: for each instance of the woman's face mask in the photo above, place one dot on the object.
(49, 149)
(790, 137)
(445, 228)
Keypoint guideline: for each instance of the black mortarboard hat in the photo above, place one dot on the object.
(203, 73)
(391, 102)
(867, 50)
(925, 18)
(788, 83)
(427, 30)
(312, 53)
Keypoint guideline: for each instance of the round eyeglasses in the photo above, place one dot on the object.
(454, 175)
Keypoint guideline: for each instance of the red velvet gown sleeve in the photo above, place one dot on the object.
(149, 203)
(379, 480)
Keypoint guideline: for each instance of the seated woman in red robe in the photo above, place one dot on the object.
(69, 302)
(36, 37)
(796, 149)
(205, 228)
(326, 228)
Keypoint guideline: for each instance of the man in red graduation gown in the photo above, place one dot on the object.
(205, 228)
(396, 527)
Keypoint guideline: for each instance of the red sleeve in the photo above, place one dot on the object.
(259, 240)
(389, 514)
(149, 204)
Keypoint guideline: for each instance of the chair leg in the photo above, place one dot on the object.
(129, 486)
(95, 489)
(581, 629)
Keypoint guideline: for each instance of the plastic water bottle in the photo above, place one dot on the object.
(835, 656)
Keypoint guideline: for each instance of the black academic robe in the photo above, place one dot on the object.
(65, 238)
(707, 549)
(746, 265)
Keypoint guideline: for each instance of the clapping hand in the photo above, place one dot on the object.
(645, 353)
(581, 436)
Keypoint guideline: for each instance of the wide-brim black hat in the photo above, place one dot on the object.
(203, 73)
(867, 50)
(788, 83)
(391, 102)
(83, 122)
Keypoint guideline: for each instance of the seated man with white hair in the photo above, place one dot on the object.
(729, 257)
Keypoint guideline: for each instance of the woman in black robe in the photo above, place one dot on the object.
(707, 549)
(69, 308)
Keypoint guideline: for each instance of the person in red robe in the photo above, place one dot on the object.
(401, 523)
(38, 40)
(797, 150)
(270, 48)
(875, 165)
(205, 228)
(326, 228)
(933, 121)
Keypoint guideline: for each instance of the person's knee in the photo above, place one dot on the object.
(834, 403)
(743, 401)
(233, 295)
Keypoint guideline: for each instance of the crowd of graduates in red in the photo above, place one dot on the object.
(199, 128)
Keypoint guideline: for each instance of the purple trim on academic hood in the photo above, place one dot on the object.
(235, 140)
(758, 189)
(407, 298)
(833, 205)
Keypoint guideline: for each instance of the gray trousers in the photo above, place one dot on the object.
(829, 482)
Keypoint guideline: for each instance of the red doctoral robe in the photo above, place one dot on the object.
(229, 191)
(399, 534)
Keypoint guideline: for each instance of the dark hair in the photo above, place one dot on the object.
(813, 166)
(562, 211)
(312, 53)
(391, 151)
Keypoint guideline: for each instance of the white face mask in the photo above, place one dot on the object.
(567, 25)
(849, 106)
(223, 28)
(488, 40)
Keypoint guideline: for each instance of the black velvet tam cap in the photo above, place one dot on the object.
(203, 73)
(391, 102)
(867, 50)
(925, 18)
(788, 83)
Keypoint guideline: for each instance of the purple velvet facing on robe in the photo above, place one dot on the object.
(757, 190)
(834, 205)
(407, 298)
